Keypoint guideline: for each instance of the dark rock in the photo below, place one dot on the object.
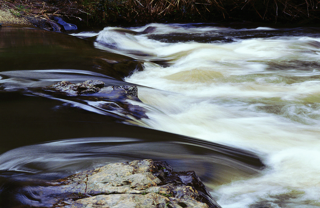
(95, 90)
(95, 86)
(137, 111)
(120, 69)
(66, 26)
(188, 178)
(37, 22)
(70, 89)
(55, 26)
(149, 29)
(129, 90)
(95, 83)
(140, 183)
(125, 68)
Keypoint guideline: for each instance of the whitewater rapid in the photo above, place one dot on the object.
(256, 89)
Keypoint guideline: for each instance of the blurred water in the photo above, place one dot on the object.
(215, 97)
(47, 135)
(256, 89)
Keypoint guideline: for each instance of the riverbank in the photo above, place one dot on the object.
(7, 18)
(41, 14)
(92, 13)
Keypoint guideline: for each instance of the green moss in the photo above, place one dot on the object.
(15, 13)
(166, 195)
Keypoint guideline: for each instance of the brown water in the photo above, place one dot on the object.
(44, 136)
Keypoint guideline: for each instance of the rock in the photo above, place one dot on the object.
(140, 183)
(149, 29)
(114, 98)
(39, 22)
(95, 86)
(55, 27)
(70, 89)
(129, 90)
(66, 26)
(95, 83)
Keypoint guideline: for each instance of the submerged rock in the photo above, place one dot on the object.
(140, 183)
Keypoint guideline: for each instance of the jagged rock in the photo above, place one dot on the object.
(94, 86)
(140, 183)
(96, 90)
(78, 88)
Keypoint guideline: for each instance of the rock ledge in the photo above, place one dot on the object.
(140, 183)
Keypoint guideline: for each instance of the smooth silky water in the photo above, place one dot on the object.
(209, 91)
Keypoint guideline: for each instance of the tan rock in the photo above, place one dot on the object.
(140, 183)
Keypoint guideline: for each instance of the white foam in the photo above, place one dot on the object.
(265, 28)
(231, 93)
(84, 34)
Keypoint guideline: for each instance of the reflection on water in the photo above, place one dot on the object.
(30, 49)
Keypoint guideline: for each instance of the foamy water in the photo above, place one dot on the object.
(259, 93)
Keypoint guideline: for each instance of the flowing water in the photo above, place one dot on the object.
(216, 91)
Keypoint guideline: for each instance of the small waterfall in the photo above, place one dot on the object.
(257, 89)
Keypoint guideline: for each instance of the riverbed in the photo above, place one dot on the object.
(239, 104)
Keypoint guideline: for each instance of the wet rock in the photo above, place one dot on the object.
(129, 90)
(140, 183)
(88, 86)
(121, 69)
(149, 29)
(66, 26)
(95, 86)
(39, 22)
(110, 98)
(55, 27)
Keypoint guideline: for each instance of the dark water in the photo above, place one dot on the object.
(44, 136)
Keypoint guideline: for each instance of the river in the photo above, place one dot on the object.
(217, 98)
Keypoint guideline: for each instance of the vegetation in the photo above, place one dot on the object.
(102, 12)
(141, 11)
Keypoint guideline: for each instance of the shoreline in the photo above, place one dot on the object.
(8, 19)
(90, 15)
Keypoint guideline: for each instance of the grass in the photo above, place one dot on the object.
(15, 13)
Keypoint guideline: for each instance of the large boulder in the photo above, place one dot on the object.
(140, 183)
